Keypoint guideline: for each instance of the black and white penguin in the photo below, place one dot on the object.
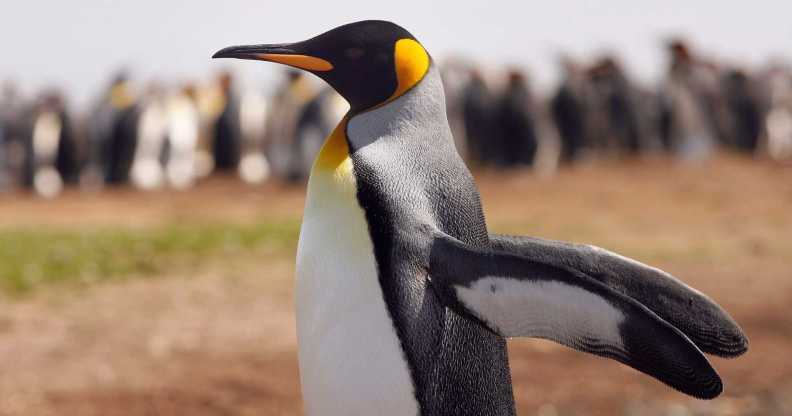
(404, 300)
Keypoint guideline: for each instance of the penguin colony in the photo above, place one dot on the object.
(404, 300)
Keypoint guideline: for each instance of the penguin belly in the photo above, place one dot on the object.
(351, 359)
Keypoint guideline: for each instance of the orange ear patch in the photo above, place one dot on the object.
(412, 63)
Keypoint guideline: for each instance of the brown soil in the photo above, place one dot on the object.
(223, 342)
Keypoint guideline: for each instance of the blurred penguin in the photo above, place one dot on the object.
(253, 166)
(51, 158)
(617, 127)
(113, 132)
(226, 143)
(477, 113)
(778, 121)
(569, 112)
(745, 111)
(688, 121)
(282, 142)
(152, 130)
(183, 130)
(516, 139)
(14, 120)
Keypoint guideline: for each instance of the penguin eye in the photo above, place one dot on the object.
(354, 53)
(382, 57)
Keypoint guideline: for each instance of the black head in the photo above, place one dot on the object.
(368, 62)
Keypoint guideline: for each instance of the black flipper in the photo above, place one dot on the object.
(692, 312)
(516, 296)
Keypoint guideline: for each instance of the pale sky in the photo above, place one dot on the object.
(78, 44)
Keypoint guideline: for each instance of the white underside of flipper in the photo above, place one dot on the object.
(351, 360)
(543, 309)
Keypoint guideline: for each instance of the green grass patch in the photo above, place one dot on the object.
(31, 257)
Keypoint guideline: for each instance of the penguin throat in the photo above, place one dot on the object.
(419, 113)
(334, 156)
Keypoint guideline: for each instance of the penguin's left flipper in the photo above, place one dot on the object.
(702, 320)
(516, 296)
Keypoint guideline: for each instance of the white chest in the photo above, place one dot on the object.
(351, 361)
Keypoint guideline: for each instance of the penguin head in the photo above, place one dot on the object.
(369, 62)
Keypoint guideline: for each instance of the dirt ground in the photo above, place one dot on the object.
(222, 341)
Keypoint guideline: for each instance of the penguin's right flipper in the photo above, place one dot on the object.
(518, 297)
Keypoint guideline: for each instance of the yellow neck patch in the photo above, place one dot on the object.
(412, 63)
(334, 155)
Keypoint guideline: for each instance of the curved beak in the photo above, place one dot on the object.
(284, 53)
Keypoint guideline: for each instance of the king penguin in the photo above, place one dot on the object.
(405, 300)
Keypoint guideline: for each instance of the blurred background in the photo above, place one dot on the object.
(150, 198)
